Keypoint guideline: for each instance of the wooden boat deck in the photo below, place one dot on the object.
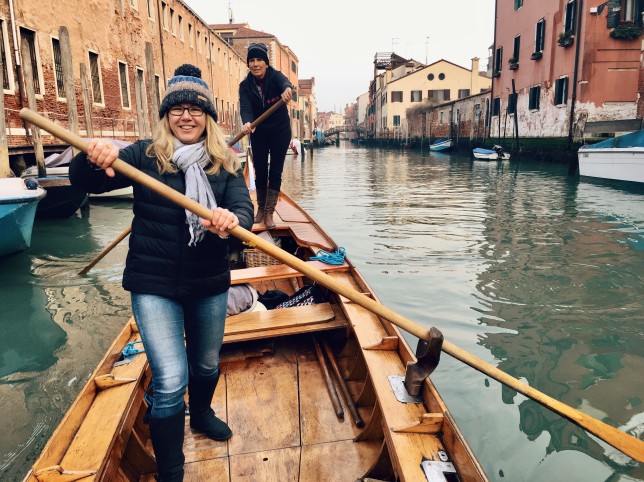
(274, 396)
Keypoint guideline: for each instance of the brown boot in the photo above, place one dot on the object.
(261, 204)
(271, 202)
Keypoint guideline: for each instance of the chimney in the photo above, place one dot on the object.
(475, 75)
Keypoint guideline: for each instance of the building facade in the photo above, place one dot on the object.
(567, 68)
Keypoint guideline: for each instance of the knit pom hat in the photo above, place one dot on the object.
(257, 51)
(187, 87)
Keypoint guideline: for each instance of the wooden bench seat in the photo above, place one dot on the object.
(279, 271)
(285, 321)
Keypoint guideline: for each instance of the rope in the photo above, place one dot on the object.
(337, 257)
(129, 349)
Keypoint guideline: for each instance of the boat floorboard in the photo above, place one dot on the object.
(293, 437)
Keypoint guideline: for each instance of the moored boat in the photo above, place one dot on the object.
(495, 154)
(17, 211)
(620, 158)
(441, 145)
(282, 370)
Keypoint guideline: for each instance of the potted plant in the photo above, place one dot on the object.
(514, 63)
(626, 29)
(566, 38)
(536, 55)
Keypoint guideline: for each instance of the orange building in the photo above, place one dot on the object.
(567, 68)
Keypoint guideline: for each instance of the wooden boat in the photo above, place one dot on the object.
(282, 372)
(17, 211)
(620, 158)
(441, 145)
(495, 154)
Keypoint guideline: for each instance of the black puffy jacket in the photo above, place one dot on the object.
(159, 260)
(251, 104)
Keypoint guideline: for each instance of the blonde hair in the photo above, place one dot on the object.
(162, 148)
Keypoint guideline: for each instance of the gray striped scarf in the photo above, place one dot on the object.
(191, 159)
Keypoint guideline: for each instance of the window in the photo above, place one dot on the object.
(430, 77)
(518, 4)
(571, 11)
(123, 82)
(441, 76)
(463, 93)
(5, 71)
(58, 68)
(172, 29)
(180, 19)
(440, 95)
(157, 88)
(540, 35)
(498, 60)
(496, 106)
(150, 10)
(164, 15)
(416, 95)
(29, 37)
(561, 91)
(293, 67)
(396, 121)
(95, 74)
(535, 94)
(517, 48)
(190, 39)
(198, 41)
(440, 117)
(397, 96)
(512, 103)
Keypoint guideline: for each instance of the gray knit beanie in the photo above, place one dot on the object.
(187, 87)
(257, 51)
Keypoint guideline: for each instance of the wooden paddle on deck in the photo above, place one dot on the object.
(231, 142)
(622, 441)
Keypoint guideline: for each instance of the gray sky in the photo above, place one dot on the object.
(336, 40)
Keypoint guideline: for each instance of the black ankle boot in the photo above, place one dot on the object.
(167, 440)
(202, 416)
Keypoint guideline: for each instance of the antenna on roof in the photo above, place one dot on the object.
(230, 14)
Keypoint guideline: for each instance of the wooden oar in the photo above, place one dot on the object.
(622, 441)
(231, 142)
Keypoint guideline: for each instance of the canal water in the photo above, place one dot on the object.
(535, 272)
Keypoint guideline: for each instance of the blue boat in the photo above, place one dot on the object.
(17, 211)
(441, 145)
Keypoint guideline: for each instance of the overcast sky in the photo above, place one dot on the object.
(336, 40)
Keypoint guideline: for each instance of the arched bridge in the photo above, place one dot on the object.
(337, 130)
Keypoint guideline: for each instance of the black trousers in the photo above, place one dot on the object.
(273, 144)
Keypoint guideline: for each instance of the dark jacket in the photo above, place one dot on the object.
(252, 105)
(159, 260)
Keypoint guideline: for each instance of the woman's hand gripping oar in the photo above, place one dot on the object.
(622, 441)
(124, 234)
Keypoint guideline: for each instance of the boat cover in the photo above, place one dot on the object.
(634, 139)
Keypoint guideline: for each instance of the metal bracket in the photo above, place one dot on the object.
(436, 471)
(397, 383)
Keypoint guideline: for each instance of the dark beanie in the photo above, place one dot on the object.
(257, 51)
(187, 87)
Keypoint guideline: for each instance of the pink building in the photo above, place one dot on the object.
(575, 66)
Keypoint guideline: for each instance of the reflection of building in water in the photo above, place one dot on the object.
(558, 283)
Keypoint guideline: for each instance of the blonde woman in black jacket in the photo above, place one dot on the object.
(258, 92)
(177, 267)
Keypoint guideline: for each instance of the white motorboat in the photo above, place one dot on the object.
(18, 201)
(495, 154)
(620, 158)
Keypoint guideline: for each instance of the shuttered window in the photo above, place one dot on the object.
(561, 91)
(29, 37)
(125, 94)
(535, 94)
(94, 69)
(540, 35)
(58, 68)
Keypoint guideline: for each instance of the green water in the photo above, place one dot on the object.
(532, 271)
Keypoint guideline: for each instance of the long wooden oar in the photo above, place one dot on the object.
(622, 441)
(231, 142)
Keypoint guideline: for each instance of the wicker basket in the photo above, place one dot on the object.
(255, 258)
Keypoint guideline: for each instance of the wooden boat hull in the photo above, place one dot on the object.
(444, 145)
(274, 393)
(17, 213)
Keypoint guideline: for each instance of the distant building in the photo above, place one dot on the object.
(408, 84)
(308, 107)
(239, 36)
(571, 65)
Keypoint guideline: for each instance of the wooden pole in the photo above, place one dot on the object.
(5, 168)
(68, 77)
(87, 101)
(333, 393)
(622, 441)
(343, 386)
(109, 248)
(31, 100)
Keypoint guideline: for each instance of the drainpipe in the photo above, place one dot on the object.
(491, 106)
(573, 98)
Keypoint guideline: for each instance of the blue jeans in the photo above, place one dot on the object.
(162, 322)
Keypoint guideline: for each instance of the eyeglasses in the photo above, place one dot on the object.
(193, 111)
